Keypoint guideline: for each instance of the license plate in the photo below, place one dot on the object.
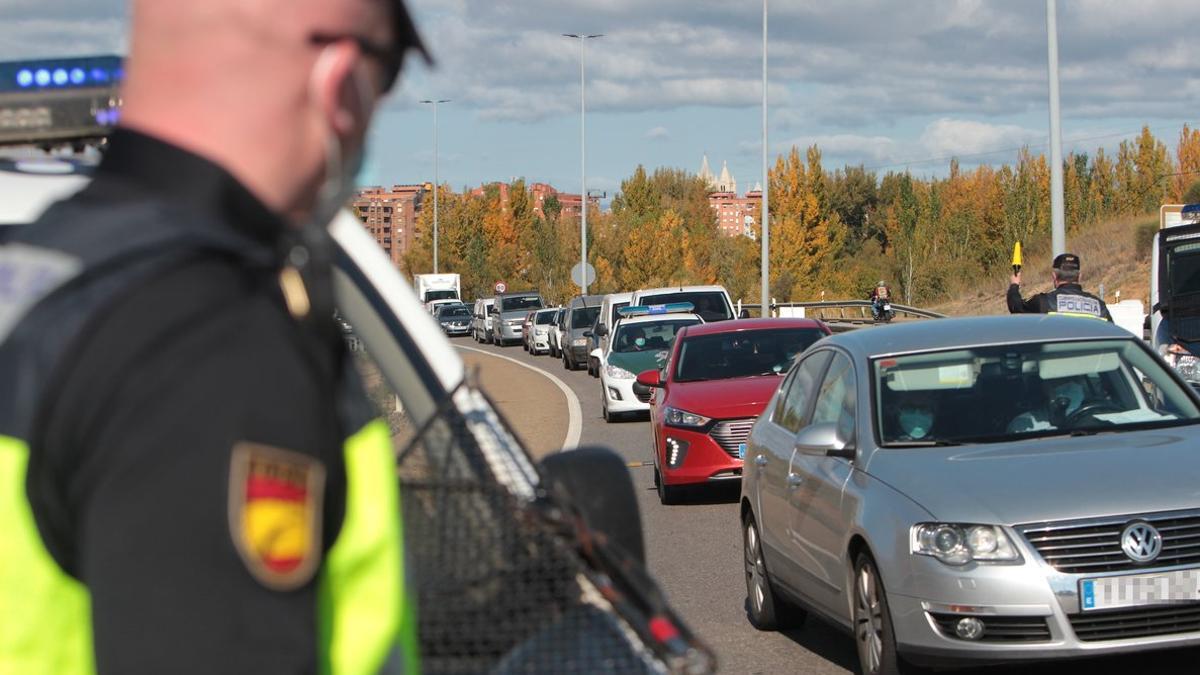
(1140, 590)
(741, 451)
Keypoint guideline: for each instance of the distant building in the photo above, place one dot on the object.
(735, 215)
(390, 215)
(539, 193)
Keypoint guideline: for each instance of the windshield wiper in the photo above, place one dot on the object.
(941, 443)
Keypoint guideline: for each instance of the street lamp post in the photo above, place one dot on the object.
(766, 185)
(436, 178)
(583, 38)
(1057, 218)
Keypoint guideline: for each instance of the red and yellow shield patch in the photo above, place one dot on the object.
(275, 500)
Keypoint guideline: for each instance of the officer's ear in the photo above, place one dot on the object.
(337, 87)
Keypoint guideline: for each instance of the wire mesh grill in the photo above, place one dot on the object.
(499, 587)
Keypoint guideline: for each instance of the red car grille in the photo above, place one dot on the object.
(729, 434)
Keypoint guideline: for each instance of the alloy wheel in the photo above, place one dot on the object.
(756, 571)
(868, 620)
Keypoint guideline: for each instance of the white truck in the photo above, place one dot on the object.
(430, 287)
(1175, 290)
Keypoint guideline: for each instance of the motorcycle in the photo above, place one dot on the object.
(883, 310)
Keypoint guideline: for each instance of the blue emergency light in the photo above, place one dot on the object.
(66, 73)
(645, 310)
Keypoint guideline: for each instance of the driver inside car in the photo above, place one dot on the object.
(1063, 398)
(916, 417)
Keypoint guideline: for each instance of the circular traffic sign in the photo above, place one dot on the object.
(577, 274)
(501, 287)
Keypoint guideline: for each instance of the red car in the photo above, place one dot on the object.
(716, 382)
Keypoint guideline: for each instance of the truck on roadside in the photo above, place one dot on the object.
(430, 287)
(1175, 290)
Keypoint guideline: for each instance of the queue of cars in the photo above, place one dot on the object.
(952, 493)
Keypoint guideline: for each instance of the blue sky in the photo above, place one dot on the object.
(889, 84)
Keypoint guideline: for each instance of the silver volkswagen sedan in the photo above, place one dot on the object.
(972, 491)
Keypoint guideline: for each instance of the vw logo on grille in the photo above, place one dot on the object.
(1141, 542)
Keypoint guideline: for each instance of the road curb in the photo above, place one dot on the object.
(574, 409)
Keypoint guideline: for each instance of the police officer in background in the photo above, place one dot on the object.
(190, 477)
(1068, 297)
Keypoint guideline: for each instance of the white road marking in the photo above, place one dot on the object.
(574, 410)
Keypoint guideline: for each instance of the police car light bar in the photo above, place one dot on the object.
(645, 310)
(59, 100)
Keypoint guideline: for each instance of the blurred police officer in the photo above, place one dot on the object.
(190, 478)
(1068, 297)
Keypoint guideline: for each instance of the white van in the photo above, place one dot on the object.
(712, 303)
(481, 320)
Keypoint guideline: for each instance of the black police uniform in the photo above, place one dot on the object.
(1068, 298)
(135, 381)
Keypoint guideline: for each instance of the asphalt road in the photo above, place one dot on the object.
(694, 550)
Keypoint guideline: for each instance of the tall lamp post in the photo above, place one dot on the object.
(766, 185)
(583, 38)
(1058, 230)
(436, 178)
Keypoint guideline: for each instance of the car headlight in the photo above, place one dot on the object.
(579, 342)
(956, 544)
(682, 418)
(617, 372)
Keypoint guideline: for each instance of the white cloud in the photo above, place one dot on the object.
(657, 134)
(956, 137)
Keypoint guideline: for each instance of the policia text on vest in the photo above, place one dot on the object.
(1068, 298)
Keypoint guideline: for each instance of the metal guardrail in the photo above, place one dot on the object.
(843, 315)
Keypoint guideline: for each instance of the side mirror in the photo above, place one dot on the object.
(650, 378)
(823, 439)
(493, 310)
(601, 330)
(597, 482)
(744, 314)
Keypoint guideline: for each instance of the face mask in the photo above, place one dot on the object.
(916, 423)
(1072, 392)
(641, 342)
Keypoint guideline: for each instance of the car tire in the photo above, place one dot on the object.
(667, 494)
(874, 637)
(566, 362)
(766, 610)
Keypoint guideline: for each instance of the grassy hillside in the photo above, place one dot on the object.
(1115, 253)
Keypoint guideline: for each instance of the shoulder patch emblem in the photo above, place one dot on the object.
(275, 507)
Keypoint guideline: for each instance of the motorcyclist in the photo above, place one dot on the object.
(879, 295)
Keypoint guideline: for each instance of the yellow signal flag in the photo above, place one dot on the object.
(1016, 260)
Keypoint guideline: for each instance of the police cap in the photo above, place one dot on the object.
(1067, 262)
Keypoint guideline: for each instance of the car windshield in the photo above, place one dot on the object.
(441, 295)
(584, 317)
(545, 318)
(616, 309)
(1008, 392)
(453, 312)
(520, 302)
(710, 305)
(743, 353)
(648, 336)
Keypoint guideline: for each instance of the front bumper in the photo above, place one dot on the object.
(456, 330)
(702, 461)
(579, 354)
(540, 341)
(1031, 612)
(618, 394)
(507, 332)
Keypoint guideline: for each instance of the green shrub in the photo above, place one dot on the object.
(1143, 238)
